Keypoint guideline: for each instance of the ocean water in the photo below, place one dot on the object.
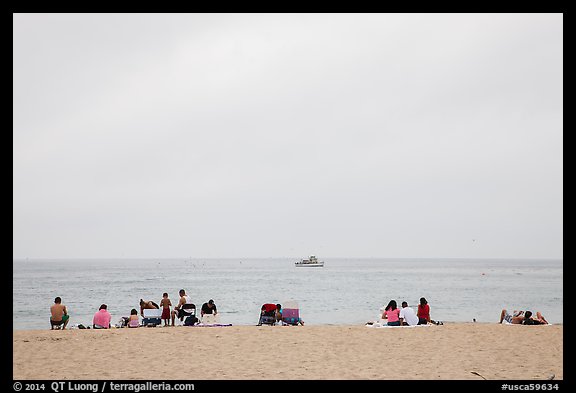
(344, 291)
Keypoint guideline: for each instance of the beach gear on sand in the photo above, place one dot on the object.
(290, 313)
(210, 319)
(267, 314)
(187, 310)
(191, 320)
(151, 317)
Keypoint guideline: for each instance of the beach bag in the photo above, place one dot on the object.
(190, 321)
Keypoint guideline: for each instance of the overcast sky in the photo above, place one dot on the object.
(285, 135)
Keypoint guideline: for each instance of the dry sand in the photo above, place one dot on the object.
(447, 352)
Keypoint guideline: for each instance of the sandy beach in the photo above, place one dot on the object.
(448, 352)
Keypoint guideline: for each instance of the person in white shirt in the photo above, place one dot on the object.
(185, 303)
(407, 316)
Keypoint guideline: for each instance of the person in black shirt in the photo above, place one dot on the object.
(530, 320)
(208, 308)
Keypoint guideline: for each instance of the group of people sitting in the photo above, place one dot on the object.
(406, 315)
(59, 317)
(181, 310)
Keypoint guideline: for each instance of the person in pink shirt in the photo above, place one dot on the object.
(102, 318)
(392, 313)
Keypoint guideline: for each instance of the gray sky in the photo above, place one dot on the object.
(272, 135)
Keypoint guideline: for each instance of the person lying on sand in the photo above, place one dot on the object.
(530, 320)
(515, 318)
(523, 318)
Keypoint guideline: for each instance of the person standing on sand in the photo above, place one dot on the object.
(165, 303)
(59, 314)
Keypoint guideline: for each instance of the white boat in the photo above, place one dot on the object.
(310, 262)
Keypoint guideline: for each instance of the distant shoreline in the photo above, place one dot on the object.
(249, 325)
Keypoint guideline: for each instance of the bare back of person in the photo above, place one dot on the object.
(58, 315)
(57, 311)
(147, 305)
